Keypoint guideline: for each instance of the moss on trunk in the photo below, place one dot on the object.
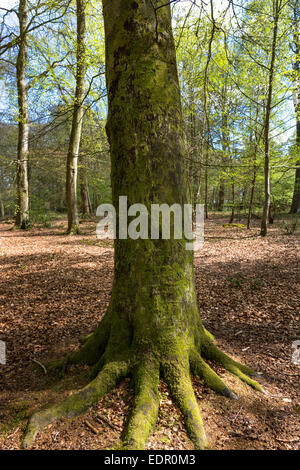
(152, 328)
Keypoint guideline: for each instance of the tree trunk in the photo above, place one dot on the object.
(221, 196)
(233, 204)
(22, 207)
(2, 208)
(152, 327)
(225, 145)
(206, 183)
(295, 207)
(84, 190)
(75, 137)
(264, 222)
(253, 181)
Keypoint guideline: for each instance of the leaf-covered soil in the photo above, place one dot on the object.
(54, 289)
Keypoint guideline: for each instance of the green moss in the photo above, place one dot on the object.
(146, 405)
(211, 352)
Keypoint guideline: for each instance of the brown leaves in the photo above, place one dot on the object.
(54, 289)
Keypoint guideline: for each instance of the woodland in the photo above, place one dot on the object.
(140, 344)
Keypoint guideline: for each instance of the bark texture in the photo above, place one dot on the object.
(295, 207)
(22, 206)
(84, 191)
(75, 137)
(152, 328)
(267, 183)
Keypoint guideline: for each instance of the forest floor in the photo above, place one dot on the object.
(54, 289)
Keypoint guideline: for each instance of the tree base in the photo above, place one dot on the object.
(112, 361)
(73, 230)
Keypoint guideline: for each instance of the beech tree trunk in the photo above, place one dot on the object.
(295, 207)
(75, 137)
(152, 327)
(2, 209)
(22, 206)
(267, 183)
(233, 203)
(225, 146)
(84, 190)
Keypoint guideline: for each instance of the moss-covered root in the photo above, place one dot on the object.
(77, 402)
(210, 351)
(73, 230)
(146, 405)
(180, 385)
(84, 339)
(200, 368)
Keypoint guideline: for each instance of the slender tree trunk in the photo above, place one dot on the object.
(264, 222)
(253, 181)
(221, 196)
(2, 209)
(233, 203)
(22, 209)
(206, 183)
(295, 207)
(75, 137)
(225, 145)
(271, 214)
(152, 327)
(257, 138)
(84, 190)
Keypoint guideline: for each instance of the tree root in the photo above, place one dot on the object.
(145, 369)
(180, 385)
(210, 351)
(78, 402)
(146, 405)
(200, 368)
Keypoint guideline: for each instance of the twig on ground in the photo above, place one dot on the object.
(40, 364)
(89, 425)
(105, 420)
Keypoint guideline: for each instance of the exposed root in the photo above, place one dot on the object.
(114, 356)
(97, 367)
(78, 402)
(146, 405)
(210, 351)
(180, 384)
(85, 338)
(200, 368)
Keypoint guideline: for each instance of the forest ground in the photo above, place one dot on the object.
(54, 289)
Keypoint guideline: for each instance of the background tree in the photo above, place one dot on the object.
(295, 207)
(22, 209)
(78, 110)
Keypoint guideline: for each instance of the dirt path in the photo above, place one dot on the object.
(54, 289)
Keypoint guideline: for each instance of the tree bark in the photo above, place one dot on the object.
(152, 327)
(22, 206)
(75, 137)
(84, 190)
(2, 209)
(233, 203)
(295, 207)
(206, 182)
(225, 145)
(267, 187)
(257, 137)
